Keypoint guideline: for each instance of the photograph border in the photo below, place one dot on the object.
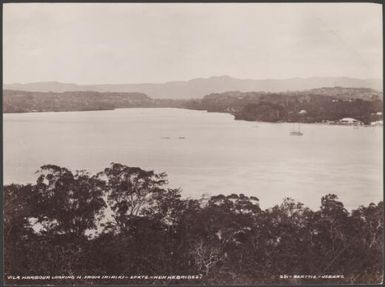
(2, 282)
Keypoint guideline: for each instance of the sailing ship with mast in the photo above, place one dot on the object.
(298, 132)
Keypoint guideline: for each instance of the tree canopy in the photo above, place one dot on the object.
(127, 221)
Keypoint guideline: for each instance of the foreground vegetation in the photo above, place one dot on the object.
(126, 221)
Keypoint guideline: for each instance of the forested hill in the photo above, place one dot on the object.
(344, 93)
(319, 105)
(23, 101)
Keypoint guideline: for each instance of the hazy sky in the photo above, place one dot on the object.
(135, 43)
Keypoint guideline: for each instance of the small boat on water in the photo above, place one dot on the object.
(297, 132)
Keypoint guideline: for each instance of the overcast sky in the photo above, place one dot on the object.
(136, 43)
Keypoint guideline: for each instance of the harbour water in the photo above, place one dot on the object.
(204, 153)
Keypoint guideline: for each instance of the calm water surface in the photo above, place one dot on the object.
(203, 153)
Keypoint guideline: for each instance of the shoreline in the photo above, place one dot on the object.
(331, 123)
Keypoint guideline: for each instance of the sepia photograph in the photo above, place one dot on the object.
(192, 144)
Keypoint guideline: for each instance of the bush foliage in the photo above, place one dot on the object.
(126, 221)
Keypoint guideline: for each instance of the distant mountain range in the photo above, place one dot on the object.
(197, 88)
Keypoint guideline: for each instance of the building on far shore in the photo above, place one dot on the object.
(377, 123)
(350, 121)
(302, 112)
